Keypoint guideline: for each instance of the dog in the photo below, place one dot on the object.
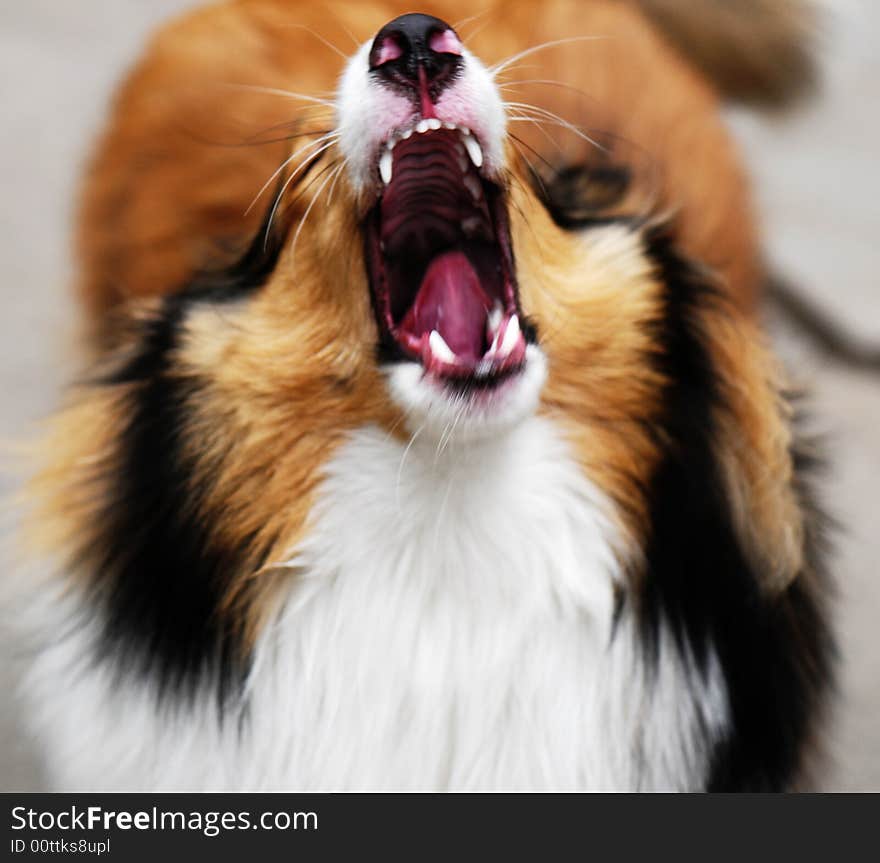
(426, 437)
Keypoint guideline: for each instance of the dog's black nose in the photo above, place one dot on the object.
(418, 52)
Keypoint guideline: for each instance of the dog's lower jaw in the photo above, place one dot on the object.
(435, 409)
(449, 623)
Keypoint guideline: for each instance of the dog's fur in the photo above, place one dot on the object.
(286, 563)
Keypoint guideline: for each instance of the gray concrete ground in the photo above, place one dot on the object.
(819, 191)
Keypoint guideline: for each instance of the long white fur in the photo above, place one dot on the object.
(448, 624)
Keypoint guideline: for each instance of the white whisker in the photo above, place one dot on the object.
(509, 85)
(287, 183)
(498, 67)
(328, 137)
(459, 24)
(539, 124)
(406, 450)
(447, 429)
(337, 172)
(520, 66)
(350, 35)
(302, 221)
(478, 29)
(287, 94)
(446, 438)
(320, 38)
(553, 119)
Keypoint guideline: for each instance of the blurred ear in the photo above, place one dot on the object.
(758, 52)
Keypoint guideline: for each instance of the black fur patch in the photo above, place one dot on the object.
(579, 195)
(774, 654)
(159, 572)
(584, 194)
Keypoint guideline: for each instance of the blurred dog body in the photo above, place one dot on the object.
(453, 458)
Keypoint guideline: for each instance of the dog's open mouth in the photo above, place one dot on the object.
(439, 258)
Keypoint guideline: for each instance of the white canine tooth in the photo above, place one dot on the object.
(406, 134)
(434, 124)
(448, 125)
(440, 349)
(473, 149)
(422, 127)
(385, 166)
(493, 348)
(493, 321)
(511, 337)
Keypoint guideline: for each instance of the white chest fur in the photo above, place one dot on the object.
(449, 625)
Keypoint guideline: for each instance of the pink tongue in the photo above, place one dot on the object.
(451, 301)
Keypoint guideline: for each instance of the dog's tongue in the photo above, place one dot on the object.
(452, 301)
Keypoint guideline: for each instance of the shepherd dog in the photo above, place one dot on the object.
(425, 436)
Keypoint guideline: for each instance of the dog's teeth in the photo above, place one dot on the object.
(434, 124)
(472, 184)
(474, 227)
(493, 348)
(473, 149)
(448, 125)
(406, 134)
(385, 166)
(440, 349)
(493, 321)
(422, 127)
(511, 337)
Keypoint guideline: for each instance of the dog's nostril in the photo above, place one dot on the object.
(417, 51)
(445, 42)
(388, 49)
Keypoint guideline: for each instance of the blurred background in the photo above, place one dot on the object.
(818, 186)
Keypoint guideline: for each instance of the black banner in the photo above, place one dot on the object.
(134, 827)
